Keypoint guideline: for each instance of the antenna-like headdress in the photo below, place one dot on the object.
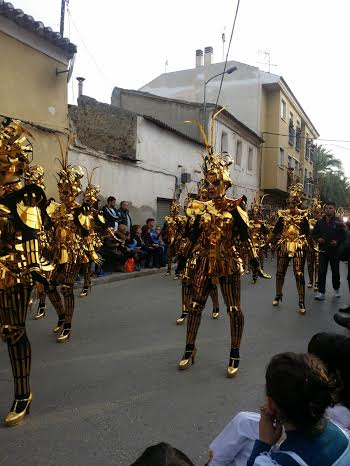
(92, 190)
(215, 166)
(296, 190)
(70, 175)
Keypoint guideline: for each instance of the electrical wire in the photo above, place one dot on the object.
(304, 137)
(228, 50)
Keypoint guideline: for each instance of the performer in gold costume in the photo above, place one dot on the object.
(21, 210)
(172, 232)
(190, 265)
(35, 175)
(95, 219)
(212, 246)
(313, 255)
(290, 238)
(74, 244)
(258, 233)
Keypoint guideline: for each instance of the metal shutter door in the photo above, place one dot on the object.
(163, 209)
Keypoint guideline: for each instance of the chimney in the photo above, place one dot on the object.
(208, 55)
(80, 86)
(199, 58)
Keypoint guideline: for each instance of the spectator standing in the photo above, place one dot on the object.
(123, 216)
(110, 213)
(329, 232)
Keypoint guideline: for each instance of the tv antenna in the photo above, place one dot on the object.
(223, 38)
(267, 59)
(166, 65)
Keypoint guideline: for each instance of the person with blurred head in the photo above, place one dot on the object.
(162, 454)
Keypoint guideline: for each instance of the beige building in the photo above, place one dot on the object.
(264, 103)
(32, 87)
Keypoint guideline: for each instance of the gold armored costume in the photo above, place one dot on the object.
(74, 244)
(258, 233)
(190, 266)
(172, 231)
(21, 211)
(212, 237)
(94, 218)
(290, 238)
(313, 255)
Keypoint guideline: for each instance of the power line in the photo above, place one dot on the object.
(304, 137)
(228, 50)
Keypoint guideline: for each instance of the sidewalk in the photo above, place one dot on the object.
(118, 276)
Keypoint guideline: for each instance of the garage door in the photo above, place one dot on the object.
(163, 209)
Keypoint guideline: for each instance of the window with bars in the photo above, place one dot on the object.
(239, 153)
(250, 159)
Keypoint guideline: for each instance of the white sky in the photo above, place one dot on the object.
(126, 43)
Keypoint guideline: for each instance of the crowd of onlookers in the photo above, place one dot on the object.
(127, 246)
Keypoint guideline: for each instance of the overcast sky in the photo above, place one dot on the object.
(126, 43)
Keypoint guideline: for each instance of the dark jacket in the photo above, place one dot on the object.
(122, 217)
(110, 215)
(329, 231)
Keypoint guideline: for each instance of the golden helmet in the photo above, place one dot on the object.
(174, 208)
(15, 148)
(295, 193)
(35, 175)
(92, 190)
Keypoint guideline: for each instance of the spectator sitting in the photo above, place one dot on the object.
(152, 248)
(235, 443)
(123, 216)
(162, 454)
(112, 253)
(110, 213)
(141, 248)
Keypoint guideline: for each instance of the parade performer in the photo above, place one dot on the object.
(313, 255)
(74, 244)
(95, 220)
(21, 211)
(290, 238)
(258, 233)
(172, 232)
(212, 240)
(189, 269)
(35, 175)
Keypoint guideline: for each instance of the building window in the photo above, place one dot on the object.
(250, 159)
(281, 160)
(298, 136)
(283, 110)
(290, 162)
(239, 153)
(306, 184)
(307, 146)
(224, 142)
(291, 133)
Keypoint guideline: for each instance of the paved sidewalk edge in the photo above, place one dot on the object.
(119, 276)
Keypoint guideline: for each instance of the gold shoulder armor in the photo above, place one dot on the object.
(85, 221)
(30, 216)
(101, 218)
(4, 210)
(51, 208)
(196, 208)
(243, 214)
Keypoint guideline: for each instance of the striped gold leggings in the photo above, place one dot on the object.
(298, 269)
(231, 291)
(14, 303)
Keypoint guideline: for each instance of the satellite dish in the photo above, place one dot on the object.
(71, 66)
(69, 71)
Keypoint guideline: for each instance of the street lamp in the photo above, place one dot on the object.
(229, 71)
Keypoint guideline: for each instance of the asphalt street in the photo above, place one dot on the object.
(114, 388)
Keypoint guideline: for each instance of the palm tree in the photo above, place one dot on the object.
(325, 162)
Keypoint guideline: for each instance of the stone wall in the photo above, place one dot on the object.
(105, 128)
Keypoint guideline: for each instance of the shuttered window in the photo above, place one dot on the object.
(163, 209)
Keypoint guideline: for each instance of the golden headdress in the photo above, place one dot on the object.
(69, 177)
(295, 192)
(35, 175)
(15, 148)
(215, 166)
(316, 206)
(92, 190)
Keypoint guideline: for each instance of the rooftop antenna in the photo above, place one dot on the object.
(223, 38)
(166, 65)
(63, 10)
(267, 59)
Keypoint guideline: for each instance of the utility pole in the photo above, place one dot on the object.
(63, 10)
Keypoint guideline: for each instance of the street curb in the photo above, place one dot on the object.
(119, 276)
